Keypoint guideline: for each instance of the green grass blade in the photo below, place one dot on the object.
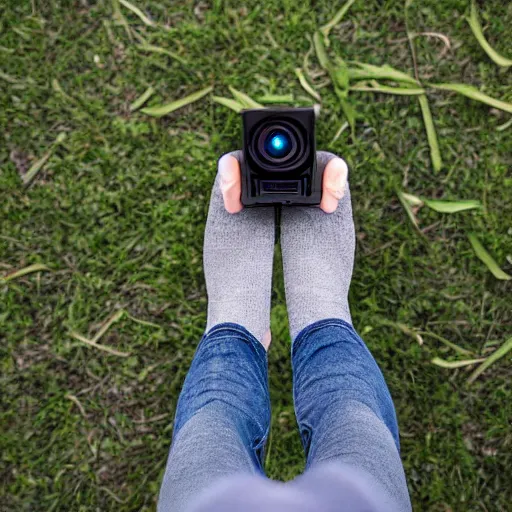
(277, 98)
(142, 99)
(306, 86)
(335, 20)
(497, 354)
(321, 54)
(486, 258)
(474, 94)
(365, 71)
(36, 267)
(157, 49)
(435, 154)
(452, 206)
(384, 89)
(339, 75)
(244, 99)
(228, 102)
(455, 364)
(350, 114)
(476, 27)
(175, 105)
(137, 12)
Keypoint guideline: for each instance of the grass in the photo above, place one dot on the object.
(117, 213)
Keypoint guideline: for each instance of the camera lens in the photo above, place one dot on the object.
(277, 144)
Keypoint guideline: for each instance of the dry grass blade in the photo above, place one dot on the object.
(448, 343)
(486, 258)
(321, 54)
(175, 105)
(407, 207)
(446, 41)
(337, 135)
(497, 354)
(476, 27)
(412, 200)
(435, 154)
(228, 102)
(108, 324)
(120, 19)
(452, 206)
(410, 38)
(77, 402)
(36, 267)
(141, 322)
(59, 90)
(365, 71)
(137, 12)
(305, 84)
(403, 328)
(116, 317)
(244, 99)
(37, 166)
(335, 20)
(455, 364)
(142, 99)
(473, 93)
(8, 78)
(384, 89)
(156, 49)
(504, 126)
(93, 344)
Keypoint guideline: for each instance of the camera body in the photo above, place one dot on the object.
(279, 157)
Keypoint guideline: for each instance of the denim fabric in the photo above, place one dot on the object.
(344, 409)
(346, 418)
(222, 418)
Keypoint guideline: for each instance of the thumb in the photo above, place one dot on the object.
(230, 182)
(334, 184)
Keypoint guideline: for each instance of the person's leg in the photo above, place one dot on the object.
(223, 413)
(222, 419)
(343, 406)
(344, 409)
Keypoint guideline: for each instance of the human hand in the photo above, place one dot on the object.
(334, 182)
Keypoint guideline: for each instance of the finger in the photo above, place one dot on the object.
(230, 183)
(334, 184)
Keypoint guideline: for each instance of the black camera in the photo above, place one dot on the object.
(279, 157)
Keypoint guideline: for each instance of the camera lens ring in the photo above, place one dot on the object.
(292, 160)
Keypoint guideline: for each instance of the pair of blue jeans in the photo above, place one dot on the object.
(345, 413)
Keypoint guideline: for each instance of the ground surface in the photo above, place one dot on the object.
(118, 213)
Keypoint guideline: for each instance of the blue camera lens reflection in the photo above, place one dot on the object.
(277, 144)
